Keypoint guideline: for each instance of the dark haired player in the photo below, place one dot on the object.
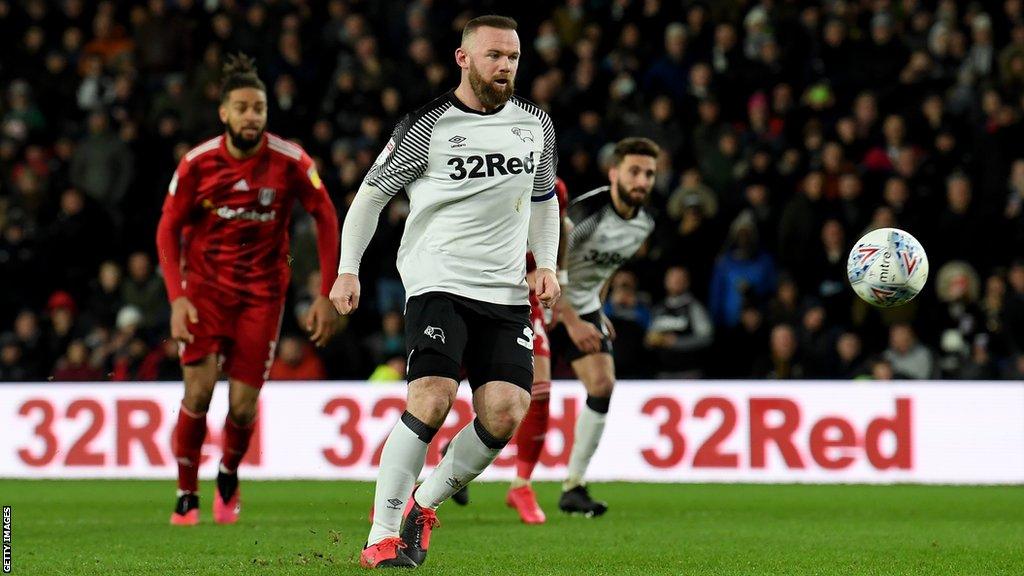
(609, 225)
(223, 246)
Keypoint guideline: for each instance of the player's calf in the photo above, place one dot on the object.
(462, 496)
(408, 506)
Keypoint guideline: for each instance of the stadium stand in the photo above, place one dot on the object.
(789, 129)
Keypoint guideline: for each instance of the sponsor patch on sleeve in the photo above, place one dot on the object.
(388, 149)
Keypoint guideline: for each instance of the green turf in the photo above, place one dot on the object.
(120, 527)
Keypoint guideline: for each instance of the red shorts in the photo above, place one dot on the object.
(541, 345)
(242, 330)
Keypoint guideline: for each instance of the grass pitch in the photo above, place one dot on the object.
(120, 527)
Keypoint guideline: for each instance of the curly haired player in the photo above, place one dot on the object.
(223, 246)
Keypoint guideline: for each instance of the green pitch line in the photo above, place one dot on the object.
(120, 527)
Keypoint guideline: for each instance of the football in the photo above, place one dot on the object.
(887, 267)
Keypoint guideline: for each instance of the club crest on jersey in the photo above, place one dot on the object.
(523, 134)
(435, 333)
(267, 196)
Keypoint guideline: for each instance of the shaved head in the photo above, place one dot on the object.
(490, 21)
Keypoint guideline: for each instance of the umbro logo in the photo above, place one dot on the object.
(453, 482)
(457, 141)
(395, 503)
(241, 185)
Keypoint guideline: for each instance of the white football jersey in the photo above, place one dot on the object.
(470, 177)
(599, 243)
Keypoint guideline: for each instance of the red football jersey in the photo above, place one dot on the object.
(562, 193)
(230, 218)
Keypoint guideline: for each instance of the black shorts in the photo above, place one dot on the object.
(562, 345)
(445, 333)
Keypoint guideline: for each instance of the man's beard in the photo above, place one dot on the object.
(490, 94)
(241, 142)
(631, 200)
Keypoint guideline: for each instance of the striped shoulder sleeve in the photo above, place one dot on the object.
(585, 214)
(404, 158)
(547, 167)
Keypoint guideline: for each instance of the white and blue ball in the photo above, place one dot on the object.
(887, 267)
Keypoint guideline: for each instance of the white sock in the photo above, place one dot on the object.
(589, 427)
(470, 453)
(400, 465)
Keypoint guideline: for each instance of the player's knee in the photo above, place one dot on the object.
(198, 391)
(197, 399)
(505, 413)
(432, 409)
(601, 386)
(243, 413)
(520, 405)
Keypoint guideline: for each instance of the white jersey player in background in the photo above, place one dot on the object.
(479, 166)
(609, 224)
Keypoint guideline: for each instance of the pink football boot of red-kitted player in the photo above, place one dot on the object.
(525, 503)
(186, 510)
(227, 511)
(190, 518)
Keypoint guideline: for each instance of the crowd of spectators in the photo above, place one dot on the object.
(788, 128)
